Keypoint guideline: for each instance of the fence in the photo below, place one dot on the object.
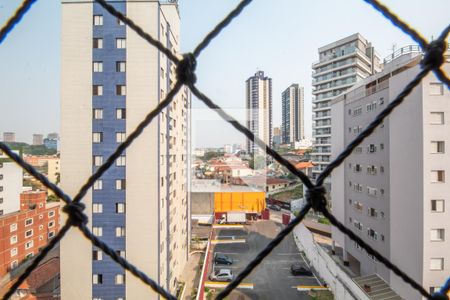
(185, 68)
(340, 283)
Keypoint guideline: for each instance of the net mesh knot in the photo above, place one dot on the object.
(316, 198)
(434, 54)
(76, 215)
(186, 69)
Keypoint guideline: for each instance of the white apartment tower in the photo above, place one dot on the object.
(292, 109)
(259, 110)
(393, 191)
(341, 64)
(112, 78)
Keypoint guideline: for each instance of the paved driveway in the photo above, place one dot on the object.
(272, 278)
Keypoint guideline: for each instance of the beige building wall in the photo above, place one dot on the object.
(76, 142)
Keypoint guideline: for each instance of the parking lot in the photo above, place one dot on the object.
(272, 279)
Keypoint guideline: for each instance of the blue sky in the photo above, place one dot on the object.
(278, 37)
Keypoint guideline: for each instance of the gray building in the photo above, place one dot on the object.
(9, 137)
(341, 64)
(259, 109)
(292, 109)
(392, 191)
(38, 139)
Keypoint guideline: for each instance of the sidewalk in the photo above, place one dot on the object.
(190, 276)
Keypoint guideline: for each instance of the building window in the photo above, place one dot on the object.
(13, 252)
(97, 208)
(121, 253)
(97, 160)
(437, 176)
(98, 43)
(121, 161)
(51, 214)
(120, 279)
(97, 137)
(437, 235)
(29, 222)
(13, 227)
(437, 205)
(97, 231)
(98, 20)
(121, 113)
(436, 88)
(98, 184)
(97, 90)
(29, 255)
(1, 200)
(29, 244)
(120, 43)
(120, 22)
(437, 118)
(120, 66)
(29, 233)
(120, 90)
(41, 227)
(120, 231)
(372, 234)
(51, 224)
(437, 147)
(120, 184)
(97, 278)
(437, 264)
(51, 234)
(97, 113)
(97, 66)
(97, 255)
(372, 212)
(120, 208)
(14, 264)
(120, 137)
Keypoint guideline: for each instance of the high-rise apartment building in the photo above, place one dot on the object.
(259, 110)
(393, 190)
(9, 137)
(341, 64)
(38, 139)
(111, 79)
(292, 109)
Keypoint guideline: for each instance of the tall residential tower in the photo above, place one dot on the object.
(111, 78)
(292, 106)
(259, 109)
(393, 190)
(341, 64)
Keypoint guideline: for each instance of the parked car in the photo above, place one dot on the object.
(221, 275)
(274, 207)
(298, 269)
(221, 259)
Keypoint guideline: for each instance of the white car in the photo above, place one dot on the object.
(221, 275)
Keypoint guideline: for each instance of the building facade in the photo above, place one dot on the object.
(24, 232)
(341, 64)
(393, 191)
(276, 140)
(259, 110)
(140, 207)
(9, 137)
(292, 110)
(38, 139)
(11, 179)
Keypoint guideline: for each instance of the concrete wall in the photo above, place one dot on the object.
(202, 203)
(342, 286)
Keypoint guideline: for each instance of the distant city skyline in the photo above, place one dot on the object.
(31, 78)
